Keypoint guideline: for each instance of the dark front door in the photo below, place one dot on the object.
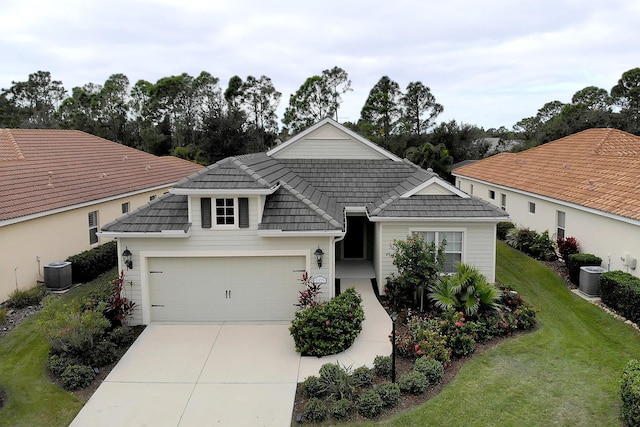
(354, 241)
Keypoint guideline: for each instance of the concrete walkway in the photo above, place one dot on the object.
(221, 374)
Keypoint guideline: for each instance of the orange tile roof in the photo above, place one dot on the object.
(42, 170)
(595, 168)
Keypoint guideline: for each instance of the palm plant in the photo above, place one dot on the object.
(466, 290)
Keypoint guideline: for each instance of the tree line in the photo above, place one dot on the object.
(196, 119)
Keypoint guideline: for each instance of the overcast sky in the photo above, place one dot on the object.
(489, 63)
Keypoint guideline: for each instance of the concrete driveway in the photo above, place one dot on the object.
(230, 374)
(200, 375)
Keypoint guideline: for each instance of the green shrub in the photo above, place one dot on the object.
(315, 410)
(538, 246)
(122, 336)
(503, 228)
(101, 353)
(369, 404)
(3, 315)
(523, 315)
(430, 368)
(362, 377)
(621, 292)
(382, 366)
(21, 298)
(580, 260)
(336, 381)
(630, 393)
(58, 363)
(76, 377)
(419, 265)
(341, 409)
(330, 327)
(389, 393)
(70, 330)
(413, 382)
(88, 265)
(313, 387)
(433, 345)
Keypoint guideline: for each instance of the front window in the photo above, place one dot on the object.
(532, 208)
(452, 249)
(225, 212)
(503, 201)
(93, 227)
(492, 194)
(125, 207)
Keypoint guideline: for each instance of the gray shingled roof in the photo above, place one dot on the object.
(311, 194)
(439, 206)
(167, 212)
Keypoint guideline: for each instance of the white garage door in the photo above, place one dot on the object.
(224, 288)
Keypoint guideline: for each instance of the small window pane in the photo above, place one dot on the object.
(125, 207)
(492, 194)
(532, 207)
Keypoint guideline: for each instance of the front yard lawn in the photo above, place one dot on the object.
(565, 373)
(32, 399)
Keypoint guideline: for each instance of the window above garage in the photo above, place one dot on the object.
(228, 212)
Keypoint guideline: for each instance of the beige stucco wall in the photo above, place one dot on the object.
(53, 238)
(606, 236)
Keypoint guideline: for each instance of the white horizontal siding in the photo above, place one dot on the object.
(329, 149)
(233, 242)
(479, 245)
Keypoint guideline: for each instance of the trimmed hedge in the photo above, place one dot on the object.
(88, 265)
(621, 292)
(330, 327)
(630, 393)
(580, 260)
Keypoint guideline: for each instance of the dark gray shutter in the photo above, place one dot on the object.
(243, 212)
(205, 211)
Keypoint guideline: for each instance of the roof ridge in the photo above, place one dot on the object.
(13, 144)
(317, 209)
(253, 174)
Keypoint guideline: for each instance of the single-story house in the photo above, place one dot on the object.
(59, 187)
(584, 186)
(231, 242)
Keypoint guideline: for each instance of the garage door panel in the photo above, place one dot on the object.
(224, 288)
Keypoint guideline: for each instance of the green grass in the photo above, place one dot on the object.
(33, 400)
(565, 373)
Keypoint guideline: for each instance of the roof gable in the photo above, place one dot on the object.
(44, 170)
(435, 186)
(330, 140)
(595, 168)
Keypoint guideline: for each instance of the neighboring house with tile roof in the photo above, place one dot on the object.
(586, 185)
(231, 242)
(57, 187)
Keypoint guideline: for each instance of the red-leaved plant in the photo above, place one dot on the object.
(119, 308)
(308, 297)
(567, 247)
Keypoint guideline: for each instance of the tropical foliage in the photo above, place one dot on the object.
(467, 290)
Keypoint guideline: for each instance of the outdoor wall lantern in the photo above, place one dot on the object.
(126, 258)
(319, 254)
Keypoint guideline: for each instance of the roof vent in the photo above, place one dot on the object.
(104, 175)
(148, 168)
(126, 157)
(50, 184)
